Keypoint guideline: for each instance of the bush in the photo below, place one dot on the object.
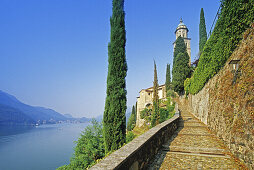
(132, 120)
(235, 17)
(90, 147)
(171, 93)
(130, 136)
(163, 115)
(187, 86)
(146, 114)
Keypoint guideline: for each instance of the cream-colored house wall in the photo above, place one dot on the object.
(145, 98)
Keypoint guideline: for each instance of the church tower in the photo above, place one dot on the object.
(182, 31)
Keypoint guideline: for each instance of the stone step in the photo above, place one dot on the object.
(199, 154)
(194, 134)
(195, 150)
(202, 140)
(198, 126)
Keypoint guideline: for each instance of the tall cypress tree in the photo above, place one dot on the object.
(135, 114)
(168, 78)
(202, 31)
(132, 120)
(156, 109)
(114, 120)
(181, 69)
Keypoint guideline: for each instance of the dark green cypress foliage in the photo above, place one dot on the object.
(202, 31)
(135, 114)
(156, 109)
(114, 120)
(168, 78)
(132, 120)
(181, 69)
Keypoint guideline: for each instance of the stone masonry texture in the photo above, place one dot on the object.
(226, 103)
(194, 146)
(137, 154)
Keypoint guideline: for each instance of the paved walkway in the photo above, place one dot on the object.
(194, 147)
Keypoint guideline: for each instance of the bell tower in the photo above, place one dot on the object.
(182, 31)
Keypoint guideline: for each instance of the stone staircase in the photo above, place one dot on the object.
(193, 146)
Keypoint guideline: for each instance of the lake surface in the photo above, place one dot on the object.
(45, 147)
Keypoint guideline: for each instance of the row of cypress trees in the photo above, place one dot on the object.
(114, 120)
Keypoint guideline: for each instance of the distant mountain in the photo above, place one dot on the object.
(68, 116)
(12, 116)
(11, 105)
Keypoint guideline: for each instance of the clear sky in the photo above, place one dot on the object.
(53, 53)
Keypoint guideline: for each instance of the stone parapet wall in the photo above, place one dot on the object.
(227, 106)
(137, 154)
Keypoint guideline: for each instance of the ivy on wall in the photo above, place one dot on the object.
(235, 17)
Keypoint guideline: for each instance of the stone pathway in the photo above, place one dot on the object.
(193, 146)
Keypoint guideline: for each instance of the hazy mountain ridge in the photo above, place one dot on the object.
(13, 116)
(12, 111)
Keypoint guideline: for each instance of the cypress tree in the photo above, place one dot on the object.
(202, 31)
(132, 120)
(156, 109)
(181, 69)
(135, 114)
(114, 120)
(168, 78)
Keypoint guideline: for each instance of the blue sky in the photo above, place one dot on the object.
(53, 53)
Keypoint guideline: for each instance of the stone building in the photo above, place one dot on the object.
(182, 31)
(145, 99)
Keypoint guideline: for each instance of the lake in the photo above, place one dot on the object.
(44, 147)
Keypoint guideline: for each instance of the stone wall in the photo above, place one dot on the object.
(227, 106)
(137, 154)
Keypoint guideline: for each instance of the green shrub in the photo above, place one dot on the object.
(132, 120)
(187, 86)
(90, 147)
(130, 136)
(163, 115)
(171, 93)
(235, 17)
(146, 114)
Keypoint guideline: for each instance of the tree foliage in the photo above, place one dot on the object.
(163, 115)
(114, 120)
(202, 31)
(132, 120)
(130, 136)
(89, 148)
(146, 114)
(156, 110)
(235, 17)
(181, 69)
(168, 78)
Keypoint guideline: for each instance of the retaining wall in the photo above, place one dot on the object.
(137, 154)
(226, 103)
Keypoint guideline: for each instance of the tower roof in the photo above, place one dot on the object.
(181, 23)
(181, 26)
